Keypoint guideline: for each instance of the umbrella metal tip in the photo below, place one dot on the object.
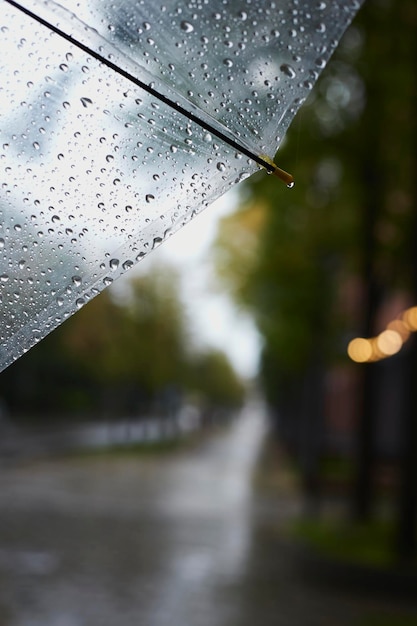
(286, 178)
(272, 168)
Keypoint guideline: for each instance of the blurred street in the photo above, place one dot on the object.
(159, 540)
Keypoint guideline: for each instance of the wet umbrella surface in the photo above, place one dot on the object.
(121, 120)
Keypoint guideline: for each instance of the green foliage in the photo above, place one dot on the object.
(365, 544)
(215, 381)
(120, 356)
(351, 150)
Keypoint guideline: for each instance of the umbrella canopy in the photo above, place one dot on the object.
(120, 120)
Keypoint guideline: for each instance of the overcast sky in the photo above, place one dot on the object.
(215, 319)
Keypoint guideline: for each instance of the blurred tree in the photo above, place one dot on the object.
(340, 243)
(290, 256)
(214, 380)
(119, 356)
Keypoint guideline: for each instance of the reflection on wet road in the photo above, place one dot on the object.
(124, 541)
(179, 540)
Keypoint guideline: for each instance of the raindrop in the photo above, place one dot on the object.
(66, 105)
(2, 243)
(79, 303)
(207, 138)
(109, 158)
(63, 67)
(36, 145)
(60, 301)
(127, 265)
(4, 278)
(114, 264)
(76, 280)
(228, 62)
(243, 15)
(291, 184)
(187, 27)
(149, 197)
(288, 70)
(107, 280)
(221, 167)
(17, 228)
(86, 101)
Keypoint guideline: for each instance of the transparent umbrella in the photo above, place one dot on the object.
(120, 120)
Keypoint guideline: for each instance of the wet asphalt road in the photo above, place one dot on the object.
(178, 540)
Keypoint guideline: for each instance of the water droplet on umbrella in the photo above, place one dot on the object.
(320, 62)
(77, 280)
(86, 101)
(187, 27)
(288, 70)
(114, 264)
(207, 138)
(149, 197)
(221, 167)
(228, 62)
(36, 145)
(291, 184)
(79, 303)
(63, 67)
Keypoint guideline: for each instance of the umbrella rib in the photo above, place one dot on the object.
(262, 160)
